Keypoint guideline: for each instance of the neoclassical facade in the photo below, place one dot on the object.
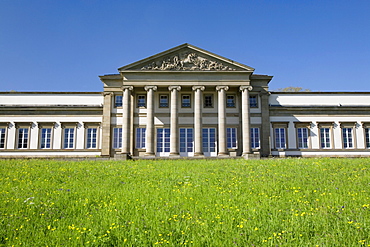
(184, 102)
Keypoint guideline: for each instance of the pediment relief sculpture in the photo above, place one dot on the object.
(187, 61)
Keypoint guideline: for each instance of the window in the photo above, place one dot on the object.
(253, 101)
(68, 140)
(2, 137)
(45, 138)
(280, 138)
(186, 140)
(325, 137)
(185, 101)
(141, 101)
(231, 138)
(163, 140)
(230, 101)
(163, 101)
(367, 137)
(23, 137)
(347, 136)
(91, 137)
(117, 138)
(208, 101)
(255, 137)
(140, 137)
(118, 101)
(302, 137)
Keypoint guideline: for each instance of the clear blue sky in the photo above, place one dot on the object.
(64, 45)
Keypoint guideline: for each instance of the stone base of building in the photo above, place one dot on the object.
(252, 156)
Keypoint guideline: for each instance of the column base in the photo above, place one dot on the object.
(123, 156)
(149, 154)
(222, 154)
(251, 156)
(174, 155)
(198, 155)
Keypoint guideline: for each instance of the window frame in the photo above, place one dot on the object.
(26, 126)
(140, 138)
(141, 104)
(160, 103)
(345, 126)
(48, 139)
(256, 103)
(253, 137)
(307, 126)
(182, 101)
(232, 138)
(329, 127)
(208, 103)
(4, 135)
(278, 142)
(117, 140)
(118, 103)
(233, 102)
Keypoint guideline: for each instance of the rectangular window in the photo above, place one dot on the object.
(185, 101)
(347, 134)
(141, 101)
(45, 138)
(230, 101)
(91, 137)
(186, 140)
(253, 101)
(2, 137)
(118, 101)
(140, 137)
(163, 140)
(209, 141)
(302, 134)
(255, 137)
(325, 137)
(231, 138)
(23, 138)
(163, 101)
(367, 137)
(280, 139)
(117, 138)
(208, 101)
(68, 138)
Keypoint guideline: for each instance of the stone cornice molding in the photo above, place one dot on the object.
(195, 88)
(218, 88)
(242, 88)
(107, 93)
(147, 88)
(178, 88)
(127, 87)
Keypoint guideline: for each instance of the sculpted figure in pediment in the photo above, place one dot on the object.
(186, 61)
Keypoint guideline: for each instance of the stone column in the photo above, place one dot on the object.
(222, 140)
(265, 127)
(106, 125)
(126, 119)
(150, 120)
(198, 150)
(246, 120)
(174, 143)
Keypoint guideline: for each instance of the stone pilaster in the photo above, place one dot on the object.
(198, 150)
(222, 140)
(150, 120)
(106, 125)
(174, 146)
(126, 102)
(246, 129)
(265, 127)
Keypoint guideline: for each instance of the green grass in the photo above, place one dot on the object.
(284, 202)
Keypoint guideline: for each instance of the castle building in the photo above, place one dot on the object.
(184, 102)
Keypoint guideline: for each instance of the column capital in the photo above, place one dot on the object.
(242, 88)
(195, 88)
(127, 87)
(178, 88)
(147, 88)
(219, 88)
(107, 93)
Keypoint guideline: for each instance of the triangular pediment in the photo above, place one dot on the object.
(186, 57)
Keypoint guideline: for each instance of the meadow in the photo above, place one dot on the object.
(275, 202)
